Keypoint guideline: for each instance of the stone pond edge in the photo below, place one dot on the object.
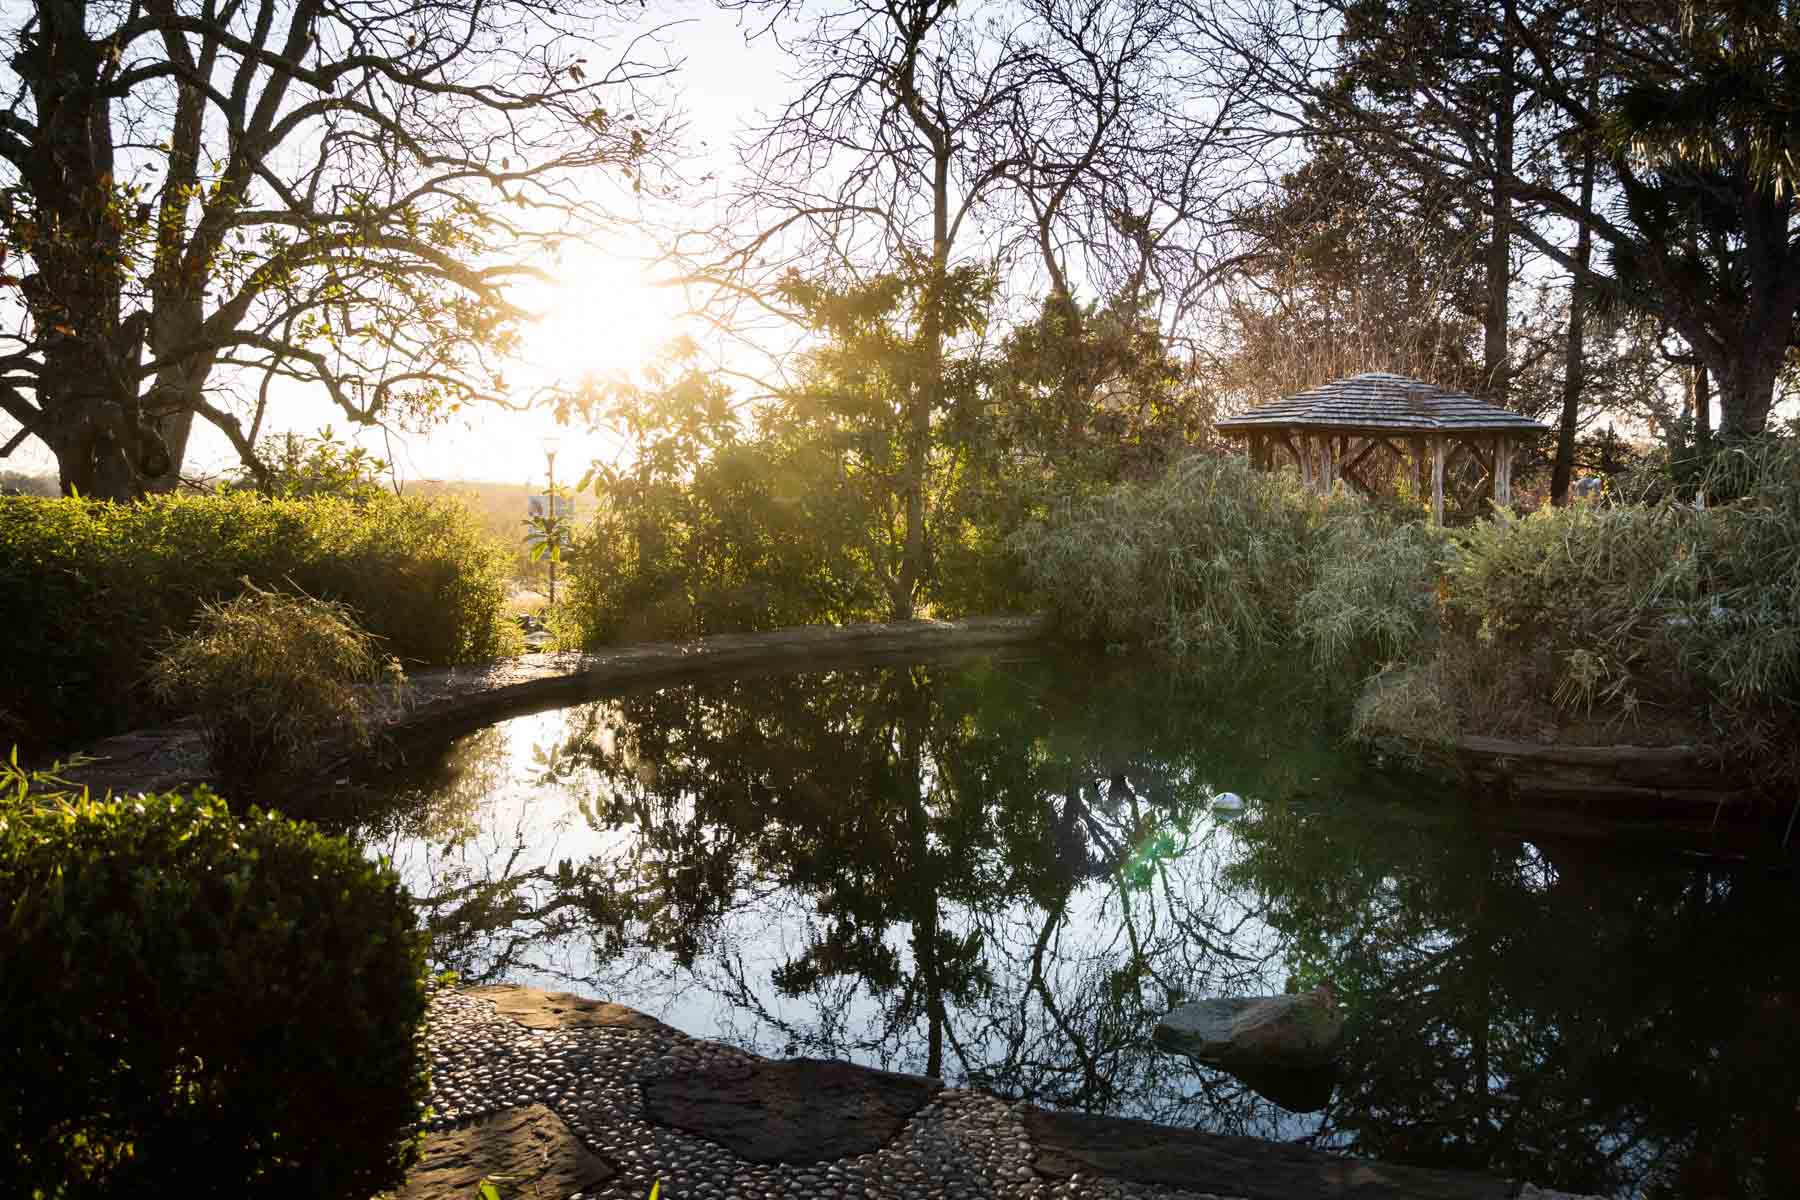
(444, 701)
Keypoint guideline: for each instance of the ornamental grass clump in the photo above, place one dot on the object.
(1217, 558)
(274, 679)
(1208, 560)
(1373, 595)
(1673, 621)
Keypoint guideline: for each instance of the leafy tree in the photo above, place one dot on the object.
(1061, 139)
(1087, 394)
(721, 521)
(334, 193)
(858, 401)
(1690, 113)
(1435, 90)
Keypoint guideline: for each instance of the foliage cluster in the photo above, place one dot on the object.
(201, 1004)
(884, 480)
(1217, 558)
(716, 528)
(1657, 613)
(94, 589)
(1682, 620)
(273, 677)
(297, 466)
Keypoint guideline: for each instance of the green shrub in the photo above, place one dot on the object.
(1208, 560)
(197, 1005)
(89, 591)
(273, 678)
(1217, 558)
(754, 536)
(1673, 618)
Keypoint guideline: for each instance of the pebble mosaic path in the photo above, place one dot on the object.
(555, 1097)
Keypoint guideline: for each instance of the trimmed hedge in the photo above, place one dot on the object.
(197, 1005)
(90, 591)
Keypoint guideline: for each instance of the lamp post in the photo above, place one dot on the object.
(551, 442)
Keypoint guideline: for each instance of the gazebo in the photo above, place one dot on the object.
(1333, 430)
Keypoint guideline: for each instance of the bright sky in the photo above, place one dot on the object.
(604, 315)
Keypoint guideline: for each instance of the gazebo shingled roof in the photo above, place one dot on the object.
(1384, 403)
(1320, 427)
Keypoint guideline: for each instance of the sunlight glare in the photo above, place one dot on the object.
(602, 317)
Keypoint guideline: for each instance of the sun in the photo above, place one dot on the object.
(599, 316)
(602, 315)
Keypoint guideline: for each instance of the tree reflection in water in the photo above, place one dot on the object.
(1614, 1022)
(1004, 873)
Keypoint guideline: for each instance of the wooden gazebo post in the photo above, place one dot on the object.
(1437, 480)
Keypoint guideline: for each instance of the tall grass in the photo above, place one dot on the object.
(273, 678)
(1652, 621)
(1647, 621)
(1217, 559)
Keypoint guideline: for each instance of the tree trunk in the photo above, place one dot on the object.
(1574, 366)
(1701, 400)
(87, 391)
(1743, 341)
(1747, 388)
(927, 394)
(1499, 249)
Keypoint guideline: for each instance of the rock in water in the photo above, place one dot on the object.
(1274, 1031)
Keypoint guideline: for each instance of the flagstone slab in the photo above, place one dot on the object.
(526, 1151)
(793, 1111)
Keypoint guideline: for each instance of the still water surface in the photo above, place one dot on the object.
(1002, 871)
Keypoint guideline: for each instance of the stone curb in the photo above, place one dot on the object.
(445, 701)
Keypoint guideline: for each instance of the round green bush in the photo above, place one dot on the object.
(197, 1005)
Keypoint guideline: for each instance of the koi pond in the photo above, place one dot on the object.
(1003, 869)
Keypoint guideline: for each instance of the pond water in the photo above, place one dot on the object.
(1003, 871)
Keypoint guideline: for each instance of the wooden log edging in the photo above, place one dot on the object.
(442, 702)
(1651, 778)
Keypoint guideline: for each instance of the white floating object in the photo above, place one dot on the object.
(1228, 802)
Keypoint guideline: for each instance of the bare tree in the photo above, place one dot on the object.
(1070, 146)
(334, 193)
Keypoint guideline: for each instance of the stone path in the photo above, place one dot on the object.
(555, 1097)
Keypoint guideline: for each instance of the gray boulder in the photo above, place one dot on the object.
(1298, 1031)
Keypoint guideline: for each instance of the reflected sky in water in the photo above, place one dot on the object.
(1002, 872)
